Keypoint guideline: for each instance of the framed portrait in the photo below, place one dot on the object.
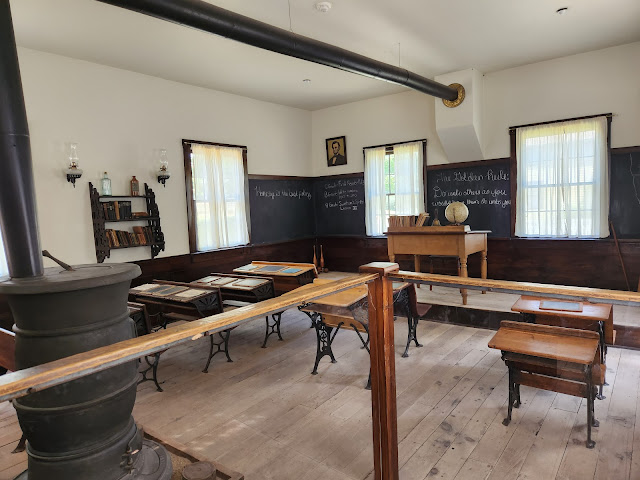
(336, 151)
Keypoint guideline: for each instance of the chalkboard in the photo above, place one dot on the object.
(339, 205)
(483, 186)
(281, 209)
(624, 205)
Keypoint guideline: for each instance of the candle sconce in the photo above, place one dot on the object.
(73, 171)
(163, 172)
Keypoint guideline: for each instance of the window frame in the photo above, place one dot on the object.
(514, 173)
(388, 148)
(188, 177)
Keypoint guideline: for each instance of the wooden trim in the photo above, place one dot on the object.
(622, 150)
(387, 145)
(41, 377)
(189, 142)
(447, 166)
(191, 209)
(278, 177)
(608, 115)
(585, 294)
(342, 175)
(513, 180)
(191, 218)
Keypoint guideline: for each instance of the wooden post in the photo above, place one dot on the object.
(383, 372)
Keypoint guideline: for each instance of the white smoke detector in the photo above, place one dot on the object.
(323, 7)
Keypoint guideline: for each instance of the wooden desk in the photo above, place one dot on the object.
(238, 290)
(551, 358)
(286, 275)
(447, 241)
(349, 309)
(183, 301)
(592, 316)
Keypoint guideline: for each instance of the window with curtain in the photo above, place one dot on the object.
(216, 179)
(563, 179)
(393, 183)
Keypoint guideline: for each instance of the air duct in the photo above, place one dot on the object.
(210, 18)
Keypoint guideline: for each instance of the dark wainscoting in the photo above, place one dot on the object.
(185, 268)
(585, 263)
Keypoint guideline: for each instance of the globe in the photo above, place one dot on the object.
(456, 212)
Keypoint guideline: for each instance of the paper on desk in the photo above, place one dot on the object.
(192, 292)
(144, 287)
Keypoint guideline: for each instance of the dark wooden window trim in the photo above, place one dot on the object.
(514, 169)
(191, 219)
(388, 148)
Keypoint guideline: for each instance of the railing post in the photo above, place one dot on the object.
(383, 371)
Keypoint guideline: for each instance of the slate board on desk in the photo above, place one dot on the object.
(281, 209)
(624, 206)
(339, 205)
(483, 186)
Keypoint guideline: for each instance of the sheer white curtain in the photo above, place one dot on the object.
(374, 192)
(219, 197)
(563, 179)
(409, 181)
(4, 270)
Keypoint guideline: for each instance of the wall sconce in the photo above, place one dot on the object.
(163, 172)
(72, 171)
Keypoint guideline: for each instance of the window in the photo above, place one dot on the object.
(393, 183)
(216, 189)
(563, 181)
(4, 270)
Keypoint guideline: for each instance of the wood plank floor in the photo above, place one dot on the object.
(266, 416)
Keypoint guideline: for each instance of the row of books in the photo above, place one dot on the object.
(408, 220)
(121, 238)
(117, 210)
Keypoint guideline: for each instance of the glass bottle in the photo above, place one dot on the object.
(106, 185)
(135, 187)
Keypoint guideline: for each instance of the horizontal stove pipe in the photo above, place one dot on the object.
(18, 217)
(210, 18)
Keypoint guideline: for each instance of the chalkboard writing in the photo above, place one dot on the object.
(339, 205)
(483, 187)
(281, 209)
(624, 205)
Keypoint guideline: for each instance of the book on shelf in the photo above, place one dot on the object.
(408, 220)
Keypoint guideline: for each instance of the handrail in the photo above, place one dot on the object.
(595, 295)
(40, 377)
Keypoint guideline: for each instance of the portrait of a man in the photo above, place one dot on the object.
(336, 151)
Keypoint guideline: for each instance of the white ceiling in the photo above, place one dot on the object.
(434, 37)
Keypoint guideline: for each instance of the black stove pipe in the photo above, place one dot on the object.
(18, 218)
(210, 18)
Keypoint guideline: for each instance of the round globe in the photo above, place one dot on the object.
(456, 212)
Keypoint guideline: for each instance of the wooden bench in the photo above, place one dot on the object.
(551, 358)
(8, 364)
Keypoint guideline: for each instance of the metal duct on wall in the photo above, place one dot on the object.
(210, 18)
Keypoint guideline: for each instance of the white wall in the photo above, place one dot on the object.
(383, 120)
(596, 82)
(119, 119)
(586, 84)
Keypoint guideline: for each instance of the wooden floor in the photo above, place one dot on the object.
(266, 416)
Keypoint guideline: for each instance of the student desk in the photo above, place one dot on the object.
(182, 301)
(454, 241)
(239, 290)
(349, 309)
(286, 275)
(585, 316)
(551, 358)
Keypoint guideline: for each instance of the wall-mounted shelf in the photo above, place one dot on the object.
(153, 237)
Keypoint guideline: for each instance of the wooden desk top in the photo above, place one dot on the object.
(232, 282)
(442, 230)
(557, 343)
(284, 269)
(175, 292)
(343, 299)
(590, 311)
